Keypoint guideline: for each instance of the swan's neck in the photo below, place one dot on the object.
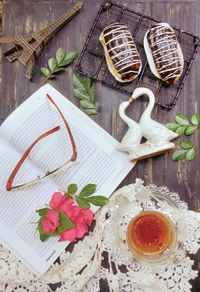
(124, 117)
(145, 91)
(149, 108)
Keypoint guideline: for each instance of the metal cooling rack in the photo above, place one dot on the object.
(93, 64)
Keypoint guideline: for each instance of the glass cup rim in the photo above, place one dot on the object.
(161, 255)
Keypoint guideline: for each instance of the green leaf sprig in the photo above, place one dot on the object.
(188, 151)
(58, 63)
(85, 196)
(183, 125)
(84, 91)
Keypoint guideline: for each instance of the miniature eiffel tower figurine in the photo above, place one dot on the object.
(28, 48)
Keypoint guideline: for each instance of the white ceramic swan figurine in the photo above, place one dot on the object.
(131, 140)
(158, 136)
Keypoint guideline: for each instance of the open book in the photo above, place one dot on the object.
(97, 162)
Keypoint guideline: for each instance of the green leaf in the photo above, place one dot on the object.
(65, 224)
(88, 190)
(195, 119)
(91, 111)
(86, 93)
(186, 144)
(89, 88)
(78, 83)
(43, 236)
(67, 196)
(190, 130)
(68, 58)
(190, 154)
(72, 188)
(45, 71)
(98, 200)
(51, 76)
(86, 104)
(82, 202)
(60, 55)
(172, 126)
(58, 70)
(42, 212)
(80, 95)
(178, 155)
(92, 94)
(182, 120)
(52, 64)
(87, 84)
(180, 130)
(96, 106)
(80, 78)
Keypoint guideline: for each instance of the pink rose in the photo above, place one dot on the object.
(51, 222)
(82, 218)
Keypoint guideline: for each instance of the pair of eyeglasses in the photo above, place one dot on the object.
(66, 164)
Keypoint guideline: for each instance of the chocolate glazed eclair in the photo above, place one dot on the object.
(163, 53)
(121, 54)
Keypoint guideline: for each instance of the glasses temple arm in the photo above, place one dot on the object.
(20, 162)
(74, 156)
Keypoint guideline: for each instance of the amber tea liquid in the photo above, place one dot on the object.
(149, 233)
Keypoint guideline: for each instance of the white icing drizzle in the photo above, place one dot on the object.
(131, 71)
(122, 45)
(122, 53)
(120, 32)
(117, 64)
(126, 66)
(168, 51)
(116, 29)
(118, 37)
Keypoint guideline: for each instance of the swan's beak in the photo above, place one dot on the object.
(131, 99)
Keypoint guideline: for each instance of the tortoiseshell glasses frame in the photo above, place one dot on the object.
(68, 163)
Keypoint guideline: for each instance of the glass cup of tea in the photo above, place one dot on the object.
(152, 237)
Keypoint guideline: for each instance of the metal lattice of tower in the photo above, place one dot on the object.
(27, 48)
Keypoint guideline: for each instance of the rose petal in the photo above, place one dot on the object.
(56, 200)
(86, 216)
(53, 216)
(48, 226)
(81, 229)
(76, 212)
(67, 207)
(69, 235)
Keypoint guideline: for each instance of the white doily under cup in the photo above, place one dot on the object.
(82, 269)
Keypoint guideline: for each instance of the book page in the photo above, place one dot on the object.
(18, 210)
(98, 162)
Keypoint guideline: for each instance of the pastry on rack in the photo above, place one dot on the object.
(121, 54)
(163, 53)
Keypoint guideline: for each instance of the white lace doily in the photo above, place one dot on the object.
(82, 270)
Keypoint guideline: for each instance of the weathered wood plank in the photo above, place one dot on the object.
(26, 16)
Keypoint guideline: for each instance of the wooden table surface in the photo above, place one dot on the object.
(27, 16)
